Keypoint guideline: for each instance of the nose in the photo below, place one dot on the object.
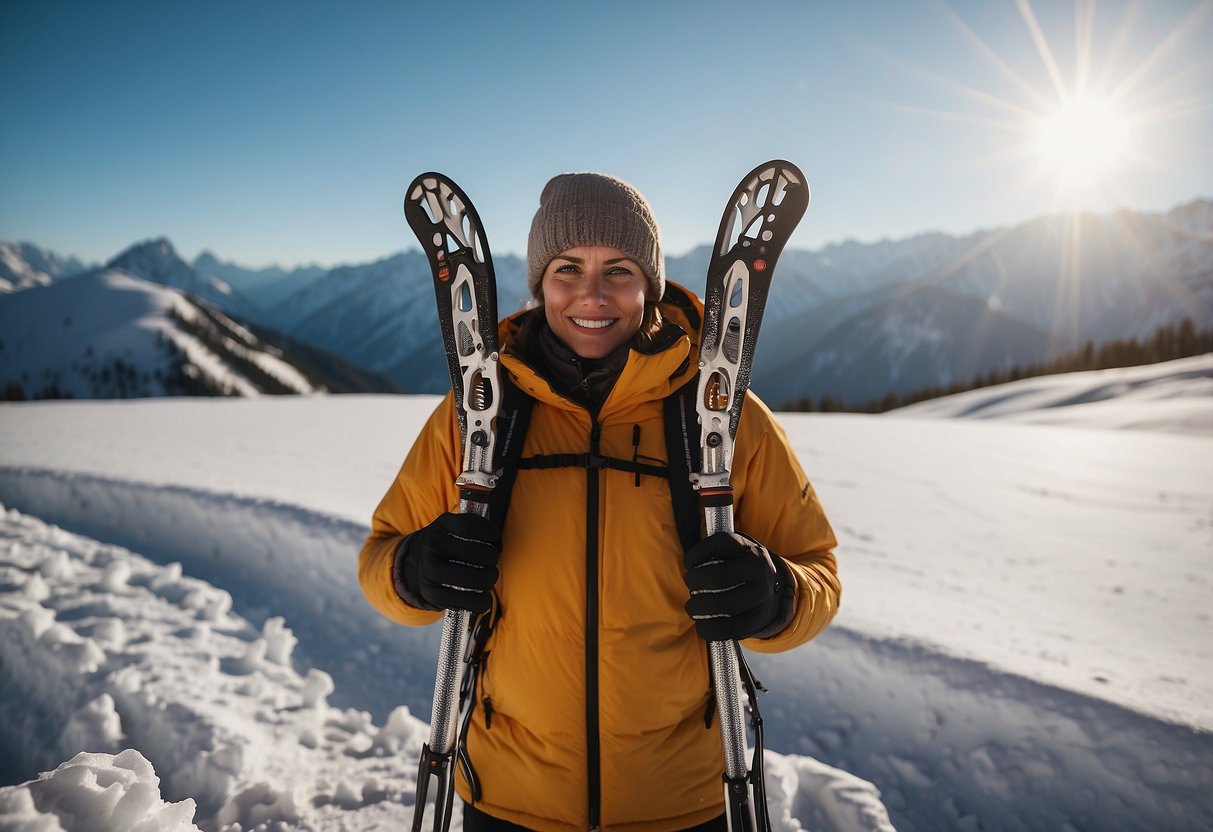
(592, 289)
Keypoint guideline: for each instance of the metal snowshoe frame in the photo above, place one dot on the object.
(759, 218)
(452, 237)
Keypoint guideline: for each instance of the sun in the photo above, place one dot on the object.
(1083, 142)
(1076, 129)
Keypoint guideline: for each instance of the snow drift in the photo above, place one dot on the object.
(117, 652)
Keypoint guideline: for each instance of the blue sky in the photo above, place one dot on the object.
(286, 132)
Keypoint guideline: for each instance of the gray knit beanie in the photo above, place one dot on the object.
(593, 209)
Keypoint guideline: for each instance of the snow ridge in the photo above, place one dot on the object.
(108, 333)
(258, 550)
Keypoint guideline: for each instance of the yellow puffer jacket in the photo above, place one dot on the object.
(594, 663)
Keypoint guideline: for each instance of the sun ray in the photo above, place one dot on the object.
(1176, 109)
(1130, 81)
(1084, 26)
(1042, 47)
(1009, 125)
(994, 59)
(1111, 52)
(1068, 300)
(1015, 110)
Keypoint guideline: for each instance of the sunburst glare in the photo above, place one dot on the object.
(1081, 127)
(1085, 128)
(1083, 141)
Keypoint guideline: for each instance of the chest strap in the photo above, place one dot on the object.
(682, 449)
(632, 466)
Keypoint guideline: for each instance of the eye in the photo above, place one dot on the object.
(620, 274)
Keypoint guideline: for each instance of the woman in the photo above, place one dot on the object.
(595, 692)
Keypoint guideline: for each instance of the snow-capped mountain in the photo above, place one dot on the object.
(158, 262)
(894, 339)
(854, 320)
(265, 287)
(382, 316)
(987, 301)
(25, 266)
(110, 334)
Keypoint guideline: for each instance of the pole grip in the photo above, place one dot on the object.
(444, 718)
(456, 630)
(723, 657)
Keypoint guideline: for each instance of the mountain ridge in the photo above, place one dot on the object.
(999, 297)
(108, 333)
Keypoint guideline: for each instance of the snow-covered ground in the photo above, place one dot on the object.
(1023, 641)
(1179, 399)
(110, 651)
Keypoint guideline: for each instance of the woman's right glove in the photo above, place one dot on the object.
(738, 589)
(449, 564)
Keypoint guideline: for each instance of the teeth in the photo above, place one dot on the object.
(588, 324)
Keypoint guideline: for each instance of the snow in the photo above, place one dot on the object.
(1023, 641)
(1178, 399)
(141, 656)
(95, 792)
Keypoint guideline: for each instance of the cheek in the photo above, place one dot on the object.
(553, 292)
(552, 298)
(550, 315)
(547, 298)
(633, 303)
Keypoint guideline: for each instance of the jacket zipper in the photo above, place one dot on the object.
(593, 738)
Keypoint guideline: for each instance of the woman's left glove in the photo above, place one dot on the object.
(738, 589)
(451, 564)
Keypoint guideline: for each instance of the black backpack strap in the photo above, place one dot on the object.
(682, 440)
(682, 446)
(477, 659)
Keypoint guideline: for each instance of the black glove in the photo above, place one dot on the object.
(738, 589)
(450, 564)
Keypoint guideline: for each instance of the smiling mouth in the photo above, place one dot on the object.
(587, 323)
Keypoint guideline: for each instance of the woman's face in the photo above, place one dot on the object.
(593, 297)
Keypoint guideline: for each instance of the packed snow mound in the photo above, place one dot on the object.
(1171, 397)
(95, 793)
(151, 673)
